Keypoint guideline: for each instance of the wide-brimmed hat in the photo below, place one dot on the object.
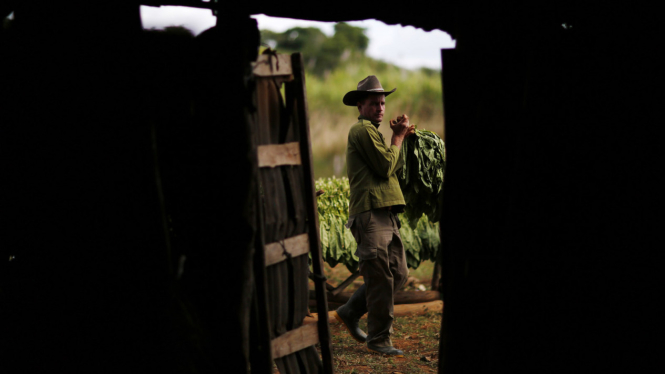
(370, 84)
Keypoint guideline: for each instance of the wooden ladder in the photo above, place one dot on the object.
(284, 163)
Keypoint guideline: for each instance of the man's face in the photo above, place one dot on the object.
(373, 107)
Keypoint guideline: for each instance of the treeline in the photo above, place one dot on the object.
(322, 53)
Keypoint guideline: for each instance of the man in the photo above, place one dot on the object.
(375, 200)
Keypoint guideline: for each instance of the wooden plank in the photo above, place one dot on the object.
(398, 311)
(296, 246)
(281, 65)
(312, 212)
(260, 351)
(273, 155)
(401, 297)
(294, 340)
(347, 282)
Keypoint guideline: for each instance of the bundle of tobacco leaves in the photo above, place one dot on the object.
(421, 242)
(421, 177)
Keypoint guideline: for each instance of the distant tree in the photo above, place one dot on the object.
(322, 53)
(271, 38)
(348, 42)
(351, 37)
(306, 40)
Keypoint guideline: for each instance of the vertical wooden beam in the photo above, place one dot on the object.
(262, 362)
(310, 201)
(445, 256)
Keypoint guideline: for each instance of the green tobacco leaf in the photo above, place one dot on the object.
(421, 179)
(412, 261)
(323, 234)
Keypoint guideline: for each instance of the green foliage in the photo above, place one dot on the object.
(421, 242)
(347, 36)
(306, 40)
(337, 243)
(322, 54)
(418, 93)
(421, 177)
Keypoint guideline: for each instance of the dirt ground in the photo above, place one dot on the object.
(417, 336)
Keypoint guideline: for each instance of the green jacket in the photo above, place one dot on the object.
(372, 169)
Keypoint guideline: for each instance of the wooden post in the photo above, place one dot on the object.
(347, 282)
(310, 200)
(445, 254)
(264, 361)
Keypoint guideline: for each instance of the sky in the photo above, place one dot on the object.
(407, 47)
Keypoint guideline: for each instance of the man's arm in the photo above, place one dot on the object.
(384, 161)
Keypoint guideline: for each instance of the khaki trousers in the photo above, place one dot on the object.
(383, 267)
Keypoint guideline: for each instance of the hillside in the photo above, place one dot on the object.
(334, 66)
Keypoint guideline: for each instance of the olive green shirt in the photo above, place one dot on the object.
(372, 169)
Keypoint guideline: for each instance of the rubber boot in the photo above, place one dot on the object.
(349, 314)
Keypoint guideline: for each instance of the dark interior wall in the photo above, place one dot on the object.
(110, 137)
(549, 200)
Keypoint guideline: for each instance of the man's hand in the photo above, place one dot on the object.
(412, 130)
(401, 129)
(400, 126)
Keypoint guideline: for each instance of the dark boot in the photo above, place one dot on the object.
(386, 351)
(349, 314)
(350, 323)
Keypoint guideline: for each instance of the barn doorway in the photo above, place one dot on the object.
(332, 68)
(418, 80)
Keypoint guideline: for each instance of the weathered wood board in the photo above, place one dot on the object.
(398, 311)
(273, 155)
(296, 246)
(294, 340)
